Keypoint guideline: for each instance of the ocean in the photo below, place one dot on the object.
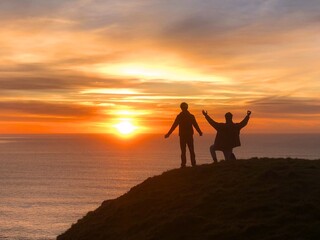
(48, 182)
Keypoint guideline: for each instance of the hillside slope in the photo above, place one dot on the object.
(245, 199)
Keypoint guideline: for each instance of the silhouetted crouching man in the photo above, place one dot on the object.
(228, 135)
(186, 122)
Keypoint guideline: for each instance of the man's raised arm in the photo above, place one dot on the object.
(210, 120)
(245, 121)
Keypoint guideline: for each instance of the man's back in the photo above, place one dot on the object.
(228, 136)
(186, 121)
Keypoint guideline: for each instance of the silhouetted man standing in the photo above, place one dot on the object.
(186, 122)
(228, 135)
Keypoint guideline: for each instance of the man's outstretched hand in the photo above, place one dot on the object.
(248, 112)
(205, 113)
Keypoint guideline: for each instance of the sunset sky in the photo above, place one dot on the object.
(81, 66)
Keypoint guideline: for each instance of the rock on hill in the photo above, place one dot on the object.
(245, 199)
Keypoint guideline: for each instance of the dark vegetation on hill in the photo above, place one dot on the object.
(246, 199)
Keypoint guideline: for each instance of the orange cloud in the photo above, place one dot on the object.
(92, 62)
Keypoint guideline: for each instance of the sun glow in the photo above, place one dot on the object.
(125, 128)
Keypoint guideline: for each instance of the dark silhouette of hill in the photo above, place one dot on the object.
(246, 199)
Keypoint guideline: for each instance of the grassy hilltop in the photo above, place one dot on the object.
(246, 199)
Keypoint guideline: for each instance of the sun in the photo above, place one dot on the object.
(125, 127)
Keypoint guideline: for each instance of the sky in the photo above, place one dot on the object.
(83, 66)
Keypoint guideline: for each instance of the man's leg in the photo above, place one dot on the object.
(191, 149)
(229, 155)
(213, 153)
(183, 147)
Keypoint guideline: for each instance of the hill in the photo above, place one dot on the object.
(245, 199)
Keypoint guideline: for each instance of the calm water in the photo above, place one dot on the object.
(48, 182)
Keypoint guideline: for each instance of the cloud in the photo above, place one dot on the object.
(237, 28)
(40, 108)
(27, 84)
(283, 106)
(55, 57)
(208, 32)
(29, 8)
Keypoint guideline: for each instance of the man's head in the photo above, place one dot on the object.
(184, 106)
(228, 117)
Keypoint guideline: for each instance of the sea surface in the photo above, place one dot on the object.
(48, 182)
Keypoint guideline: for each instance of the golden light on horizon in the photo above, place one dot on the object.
(173, 72)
